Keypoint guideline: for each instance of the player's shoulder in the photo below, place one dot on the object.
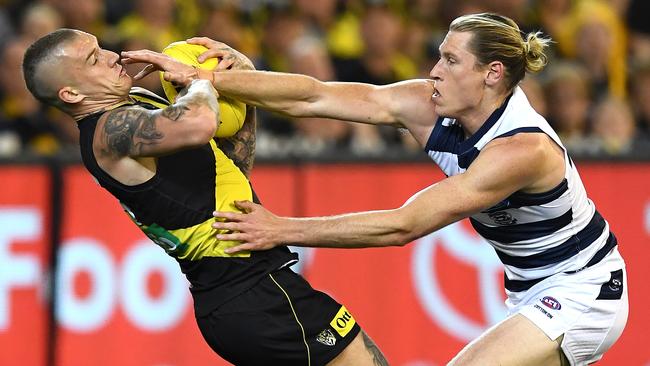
(124, 113)
(524, 147)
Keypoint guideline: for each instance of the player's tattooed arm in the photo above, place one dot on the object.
(377, 357)
(129, 131)
(234, 59)
(241, 147)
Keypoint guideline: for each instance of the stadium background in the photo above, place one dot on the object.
(79, 284)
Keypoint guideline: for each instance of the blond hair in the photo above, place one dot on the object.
(498, 38)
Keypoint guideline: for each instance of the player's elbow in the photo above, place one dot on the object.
(311, 99)
(302, 108)
(404, 230)
(205, 123)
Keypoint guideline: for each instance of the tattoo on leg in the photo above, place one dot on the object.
(377, 357)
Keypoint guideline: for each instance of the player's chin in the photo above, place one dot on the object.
(125, 82)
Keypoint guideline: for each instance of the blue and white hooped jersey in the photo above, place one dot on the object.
(535, 235)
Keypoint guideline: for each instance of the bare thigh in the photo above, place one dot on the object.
(362, 351)
(514, 341)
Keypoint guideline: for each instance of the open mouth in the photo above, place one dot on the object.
(436, 93)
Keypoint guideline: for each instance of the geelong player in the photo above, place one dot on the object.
(507, 171)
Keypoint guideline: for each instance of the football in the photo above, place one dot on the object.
(231, 112)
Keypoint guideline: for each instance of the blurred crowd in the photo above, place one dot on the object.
(595, 90)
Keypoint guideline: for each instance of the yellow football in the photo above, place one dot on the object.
(231, 112)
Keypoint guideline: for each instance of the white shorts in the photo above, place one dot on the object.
(589, 308)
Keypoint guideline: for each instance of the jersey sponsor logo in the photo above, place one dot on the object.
(551, 302)
(502, 218)
(343, 322)
(326, 337)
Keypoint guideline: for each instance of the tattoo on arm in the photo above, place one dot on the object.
(377, 357)
(241, 147)
(174, 111)
(127, 131)
(240, 61)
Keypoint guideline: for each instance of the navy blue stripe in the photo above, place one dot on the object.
(520, 199)
(435, 134)
(518, 285)
(446, 138)
(566, 250)
(466, 158)
(513, 233)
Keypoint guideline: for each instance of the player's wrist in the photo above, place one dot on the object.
(205, 74)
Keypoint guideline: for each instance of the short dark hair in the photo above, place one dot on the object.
(37, 54)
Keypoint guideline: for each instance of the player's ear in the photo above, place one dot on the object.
(70, 95)
(495, 72)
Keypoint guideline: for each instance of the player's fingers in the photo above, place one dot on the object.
(203, 41)
(206, 42)
(246, 206)
(225, 63)
(212, 53)
(240, 248)
(229, 216)
(227, 225)
(241, 237)
(139, 56)
(144, 72)
(171, 77)
(215, 49)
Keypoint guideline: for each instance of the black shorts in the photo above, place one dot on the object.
(280, 321)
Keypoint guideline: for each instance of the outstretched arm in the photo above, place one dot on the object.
(502, 168)
(406, 104)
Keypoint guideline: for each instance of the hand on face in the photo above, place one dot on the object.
(174, 71)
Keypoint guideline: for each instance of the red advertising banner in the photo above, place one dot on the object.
(122, 301)
(24, 253)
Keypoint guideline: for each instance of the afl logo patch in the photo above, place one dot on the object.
(551, 303)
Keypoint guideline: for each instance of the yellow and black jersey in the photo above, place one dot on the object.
(174, 209)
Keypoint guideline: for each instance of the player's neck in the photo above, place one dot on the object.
(474, 118)
(95, 106)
